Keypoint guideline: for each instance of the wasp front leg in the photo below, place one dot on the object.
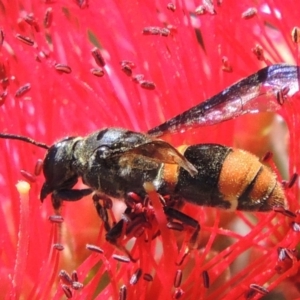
(58, 196)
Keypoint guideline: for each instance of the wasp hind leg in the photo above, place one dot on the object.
(185, 219)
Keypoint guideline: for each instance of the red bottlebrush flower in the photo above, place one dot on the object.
(68, 68)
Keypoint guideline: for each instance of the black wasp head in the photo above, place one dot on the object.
(58, 167)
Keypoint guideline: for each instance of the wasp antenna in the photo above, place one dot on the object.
(24, 139)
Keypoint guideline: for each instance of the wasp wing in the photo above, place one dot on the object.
(155, 152)
(258, 92)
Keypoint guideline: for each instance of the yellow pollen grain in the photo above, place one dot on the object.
(23, 187)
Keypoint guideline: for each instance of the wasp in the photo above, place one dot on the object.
(114, 162)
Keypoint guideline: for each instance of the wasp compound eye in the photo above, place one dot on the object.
(59, 168)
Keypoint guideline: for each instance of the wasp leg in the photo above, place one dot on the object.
(185, 219)
(68, 195)
(101, 211)
(114, 234)
(72, 194)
